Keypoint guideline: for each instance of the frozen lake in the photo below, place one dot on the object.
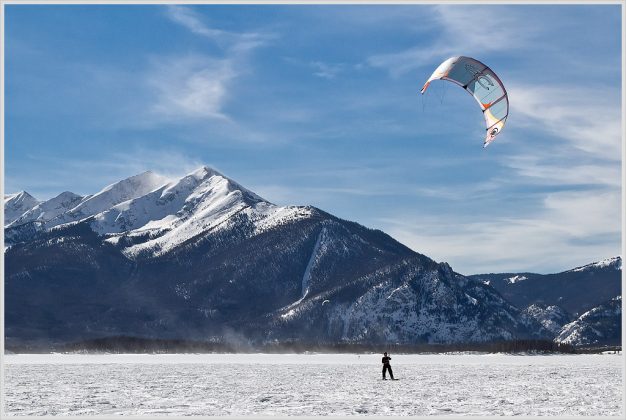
(316, 384)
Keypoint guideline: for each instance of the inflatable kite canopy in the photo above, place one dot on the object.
(483, 84)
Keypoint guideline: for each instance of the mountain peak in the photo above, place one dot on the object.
(133, 186)
(67, 194)
(145, 181)
(179, 209)
(110, 196)
(20, 195)
(17, 204)
(205, 172)
(48, 210)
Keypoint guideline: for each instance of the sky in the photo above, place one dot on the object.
(320, 105)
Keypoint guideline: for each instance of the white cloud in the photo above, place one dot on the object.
(539, 170)
(571, 229)
(191, 86)
(232, 41)
(197, 86)
(189, 19)
(589, 118)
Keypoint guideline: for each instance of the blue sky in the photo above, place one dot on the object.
(320, 105)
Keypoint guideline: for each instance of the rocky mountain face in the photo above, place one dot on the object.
(575, 291)
(601, 325)
(17, 204)
(48, 210)
(203, 258)
(581, 306)
(551, 317)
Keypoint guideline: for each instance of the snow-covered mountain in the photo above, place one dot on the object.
(110, 196)
(68, 207)
(48, 210)
(178, 211)
(598, 326)
(575, 291)
(551, 317)
(169, 212)
(202, 257)
(408, 302)
(614, 263)
(17, 204)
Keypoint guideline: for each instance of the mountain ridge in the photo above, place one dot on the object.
(17, 204)
(576, 290)
(201, 256)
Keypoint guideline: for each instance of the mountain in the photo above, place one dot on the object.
(203, 258)
(576, 291)
(48, 210)
(17, 204)
(599, 326)
(178, 211)
(108, 197)
(551, 317)
(69, 207)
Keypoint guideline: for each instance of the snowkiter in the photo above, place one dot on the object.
(387, 366)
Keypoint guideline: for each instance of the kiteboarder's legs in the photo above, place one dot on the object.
(385, 369)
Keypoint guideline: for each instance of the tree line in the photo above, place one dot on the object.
(128, 344)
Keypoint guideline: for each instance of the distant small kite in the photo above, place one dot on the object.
(483, 84)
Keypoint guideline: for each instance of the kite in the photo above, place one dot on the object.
(483, 84)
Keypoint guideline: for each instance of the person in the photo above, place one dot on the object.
(387, 366)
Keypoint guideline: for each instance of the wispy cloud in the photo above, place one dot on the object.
(237, 42)
(570, 229)
(327, 70)
(322, 69)
(588, 118)
(190, 20)
(540, 170)
(191, 86)
(197, 86)
(463, 30)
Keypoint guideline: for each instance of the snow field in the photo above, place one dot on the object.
(313, 385)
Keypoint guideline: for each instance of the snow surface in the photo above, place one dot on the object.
(49, 209)
(110, 196)
(551, 317)
(516, 279)
(581, 331)
(197, 203)
(180, 210)
(617, 261)
(17, 204)
(315, 384)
